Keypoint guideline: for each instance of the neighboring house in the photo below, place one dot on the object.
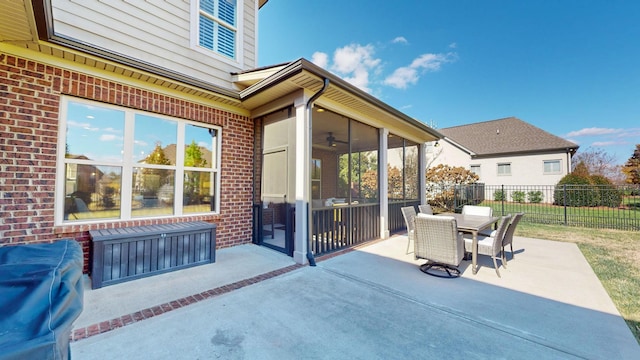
(506, 151)
(90, 88)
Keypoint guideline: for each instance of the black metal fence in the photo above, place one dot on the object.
(592, 206)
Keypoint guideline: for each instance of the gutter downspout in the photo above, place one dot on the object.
(310, 258)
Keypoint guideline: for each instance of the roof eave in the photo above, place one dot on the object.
(302, 65)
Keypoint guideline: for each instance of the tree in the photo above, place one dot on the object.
(632, 167)
(193, 156)
(597, 162)
(154, 178)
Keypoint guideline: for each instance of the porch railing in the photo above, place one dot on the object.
(396, 220)
(340, 227)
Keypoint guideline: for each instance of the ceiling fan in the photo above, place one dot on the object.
(332, 141)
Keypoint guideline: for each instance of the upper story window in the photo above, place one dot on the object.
(552, 166)
(217, 26)
(504, 169)
(122, 164)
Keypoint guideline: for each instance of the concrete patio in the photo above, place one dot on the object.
(369, 303)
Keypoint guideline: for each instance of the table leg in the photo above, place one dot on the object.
(474, 252)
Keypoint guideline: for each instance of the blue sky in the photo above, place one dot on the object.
(570, 67)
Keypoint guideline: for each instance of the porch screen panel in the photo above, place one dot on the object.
(275, 174)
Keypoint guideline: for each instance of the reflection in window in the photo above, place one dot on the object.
(92, 192)
(151, 156)
(316, 179)
(403, 165)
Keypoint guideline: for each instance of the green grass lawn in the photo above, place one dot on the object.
(614, 256)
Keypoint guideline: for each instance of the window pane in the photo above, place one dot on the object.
(153, 192)
(395, 167)
(92, 192)
(411, 171)
(227, 11)
(154, 140)
(552, 166)
(205, 33)
(198, 192)
(94, 133)
(226, 40)
(504, 169)
(364, 147)
(206, 5)
(199, 147)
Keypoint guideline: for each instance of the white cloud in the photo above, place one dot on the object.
(107, 137)
(593, 131)
(453, 46)
(407, 75)
(605, 143)
(400, 39)
(354, 63)
(401, 77)
(321, 59)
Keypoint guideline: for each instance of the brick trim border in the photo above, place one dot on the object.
(108, 325)
(124, 320)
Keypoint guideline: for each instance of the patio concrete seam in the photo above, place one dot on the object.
(128, 319)
(493, 325)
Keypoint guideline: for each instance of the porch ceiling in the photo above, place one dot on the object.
(16, 21)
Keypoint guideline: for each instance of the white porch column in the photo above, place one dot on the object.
(422, 173)
(302, 181)
(383, 175)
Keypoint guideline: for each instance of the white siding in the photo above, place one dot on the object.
(156, 32)
(525, 169)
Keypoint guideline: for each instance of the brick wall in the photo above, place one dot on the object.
(30, 94)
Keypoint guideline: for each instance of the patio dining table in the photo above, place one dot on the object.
(473, 224)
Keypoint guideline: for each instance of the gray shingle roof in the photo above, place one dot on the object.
(502, 136)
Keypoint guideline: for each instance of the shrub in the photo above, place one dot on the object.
(594, 190)
(518, 196)
(607, 194)
(578, 191)
(499, 195)
(534, 197)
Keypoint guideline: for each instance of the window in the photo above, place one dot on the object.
(125, 164)
(504, 169)
(217, 26)
(475, 169)
(552, 166)
(316, 179)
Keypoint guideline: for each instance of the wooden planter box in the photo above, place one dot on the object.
(130, 253)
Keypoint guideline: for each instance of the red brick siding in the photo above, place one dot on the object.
(30, 94)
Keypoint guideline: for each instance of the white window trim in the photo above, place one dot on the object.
(128, 164)
(194, 35)
(479, 173)
(559, 161)
(498, 167)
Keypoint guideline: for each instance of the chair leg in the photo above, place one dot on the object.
(495, 264)
(513, 255)
(408, 244)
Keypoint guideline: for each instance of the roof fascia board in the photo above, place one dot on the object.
(563, 150)
(459, 146)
